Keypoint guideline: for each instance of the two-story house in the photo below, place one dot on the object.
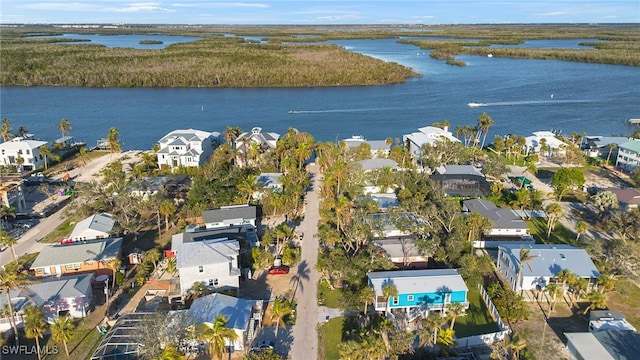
(629, 155)
(230, 216)
(543, 268)
(507, 226)
(428, 135)
(78, 258)
(461, 181)
(99, 226)
(419, 291)
(254, 142)
(209, 260)
(186, 148)
(22, 151)
(377, 148)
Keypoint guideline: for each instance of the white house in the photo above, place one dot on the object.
(268, 181)
(378, 147)
(598, 146)
(230, 215)
(24, 148)
(187, 148)
(629, 155)
(554, 145)
(98, 226)
(243, 316)
(66, 296)
(543, 268)
(264, 140)
(214, 262)
(505, 222)
(427, 135)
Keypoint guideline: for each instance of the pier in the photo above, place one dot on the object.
(634, 121)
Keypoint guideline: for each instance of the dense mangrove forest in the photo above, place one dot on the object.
(293, 56)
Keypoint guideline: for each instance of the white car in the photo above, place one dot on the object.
(264, 345)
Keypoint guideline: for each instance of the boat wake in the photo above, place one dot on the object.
(519, 103)
(335, 111)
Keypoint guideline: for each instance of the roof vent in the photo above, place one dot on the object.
(563, 257)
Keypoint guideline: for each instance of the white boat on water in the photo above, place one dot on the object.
(474, 104)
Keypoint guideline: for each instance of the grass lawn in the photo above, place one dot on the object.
(330, 336)
(561, 235)
(59, 232)
(327, 297)
(626, 298)
(477, 320)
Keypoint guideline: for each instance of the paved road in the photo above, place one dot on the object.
(305, 334)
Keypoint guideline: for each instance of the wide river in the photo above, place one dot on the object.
(521, 96)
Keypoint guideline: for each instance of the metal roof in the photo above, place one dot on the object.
(237, 311)
(418, 281)
(377, 163)
(550, 259)
(93, 250)
(50, 289)
(206, 252)
(230, 212)
(101, 222)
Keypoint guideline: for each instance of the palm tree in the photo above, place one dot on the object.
(516, 345)
(564, 276)
(389, 291)
(611, 147)
(525, 258)
(597, 300)
(280, 308)
(167, 208)
(62, 331)
(5, 130)
(172, 265)
(554, 291)
(446, 338)
(216, 335)
(10, 241)
(153, 256)
(64, 127)
(453, 310)
(46, 152)
(367, 295)
(581, 228)
(249, 185)
(34, 325)
(342, 211)
(113, 139)
(484, 123)
(115, 264)
(606, 283)
(554, 212)
(171, 353)
(83, 157)
(10, 279)
(231, 134)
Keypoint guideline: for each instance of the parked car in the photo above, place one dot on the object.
(264, 345)
(66, 241)
(278, 270)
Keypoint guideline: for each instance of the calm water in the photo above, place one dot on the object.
(593, 98)
(130, 41)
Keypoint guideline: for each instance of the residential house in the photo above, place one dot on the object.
(122, 340)
(427, 135)
(598, 146)
(98, 226)
(378, 147)
(627, 198)
(419, 291)
(227, 216)
(554, 146)
(243, 316)
(603, 320)
(377, 164)
(206, 259)
(461, 181)
(78, 258)
(402, 251)
(604, 345)
(268, 181)
(629, 155)
(12, 195)
(393, 224)
(543, 268)
(66, 296)
(256, 138)
(186, 148)
(507, 225)
(22, 151)
(385, 201)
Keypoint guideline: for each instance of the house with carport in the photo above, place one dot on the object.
(78, 258)
(543, 268)
(419, 291)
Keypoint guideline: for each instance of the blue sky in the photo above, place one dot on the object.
(319, 11)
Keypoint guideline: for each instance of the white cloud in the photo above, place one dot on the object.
(222, 5)
(72, 6)
(142, 7)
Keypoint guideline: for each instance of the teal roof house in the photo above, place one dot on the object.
(419, 291)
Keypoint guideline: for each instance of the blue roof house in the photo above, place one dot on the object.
(419, 291)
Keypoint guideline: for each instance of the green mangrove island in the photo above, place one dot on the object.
(292, 56)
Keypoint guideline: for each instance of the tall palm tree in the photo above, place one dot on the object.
(581, 228)
(564, 276)
(62, 331)
(10, 241)
(231, 134)
(597, 300)
(113, 139)
(554, 291)
(611, 147)
(525, 258)
(484, 123)
(115, 264)
(46, 152)
(153, 256)
(34, 325)
(83, 157)
(367, 295)
(280, 308)
(171, 353)
(554, 212)
(453, 311)
(64, 127)
(343, 211)
(606, 283)
(389, 291)
(216, 335)
(11, 279)
(516, 345)
(249, 185)
(167, 208)
(5, 130)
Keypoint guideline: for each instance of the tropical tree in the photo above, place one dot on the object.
(46, 152)
(605, 201)
(564, 276)
(553, 291)
(565, 180)
(554, 212)
(167, 208)
(113, 139)
(611, 147)
(34, 325)
(216, 335)
(62, 331)
(516, 345)
(5, 130)
(367, 295)
(171, 353)
(249, 185)
(11, 278)
(476, 225)
(446, 339)
(389, 291)
(597, 300)
(10, 241)
(115, 264)
(581, 228)
(606, 283)
(453, 310)
(525, 259)
(231, 134)
(64, 127)
(153, 256)
(172, 265)
(83, 157)
(280, 308)
(484, 123)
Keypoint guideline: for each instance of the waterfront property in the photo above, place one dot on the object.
(428, 135)
(629, 155)
(605, 147)
(22, 152)
(66, 296)
(419, 291)
(98, 226)
(543, 268)
(545, 143)
(253, 143)
(378, 148)
(78, 258)
(186, 148)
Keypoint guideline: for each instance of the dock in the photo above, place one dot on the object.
(634, 121)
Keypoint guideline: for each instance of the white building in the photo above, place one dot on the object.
(427, 135)
(214, 262)
(264, 141)
(629, 155)
(378, 147)
(98, 226)
(22, 148)
(554, 145)
(187, 148)
(229, 216)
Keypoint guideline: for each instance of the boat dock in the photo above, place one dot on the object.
(634, 121)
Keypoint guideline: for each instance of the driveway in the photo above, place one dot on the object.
(304, 333)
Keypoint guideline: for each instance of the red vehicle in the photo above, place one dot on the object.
(279, 270)
(66, 241)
